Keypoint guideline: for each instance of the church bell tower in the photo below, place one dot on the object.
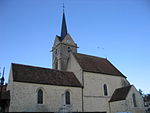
(63, 46)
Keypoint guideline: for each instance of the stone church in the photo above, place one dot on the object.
(76, 83)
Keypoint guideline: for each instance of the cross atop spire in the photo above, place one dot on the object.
(63, 8)
(63, 26)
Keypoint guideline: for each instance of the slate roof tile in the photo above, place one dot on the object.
(39, 75)
(120, 93)
(97, 65)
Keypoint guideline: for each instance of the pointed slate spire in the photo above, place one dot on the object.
(63, 27)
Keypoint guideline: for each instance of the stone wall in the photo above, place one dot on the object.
(61, 51)
(24, 98)
(128, 105)
(94, 98)
(74, 67)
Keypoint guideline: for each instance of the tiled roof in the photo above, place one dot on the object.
(96, 64)
(39, 75)
(120, 93)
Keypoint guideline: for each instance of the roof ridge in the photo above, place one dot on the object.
(125, 87)
(41, 67)
(91, 55)
(116, 68)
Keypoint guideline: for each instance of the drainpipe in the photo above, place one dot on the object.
(109, 108)
(82, 91)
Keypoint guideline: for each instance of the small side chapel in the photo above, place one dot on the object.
(76, 83)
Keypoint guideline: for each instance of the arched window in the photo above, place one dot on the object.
(40, 96)
(105, 90)
(134, 100)
(67, 97)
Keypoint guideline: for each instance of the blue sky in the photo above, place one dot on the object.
(115, 29)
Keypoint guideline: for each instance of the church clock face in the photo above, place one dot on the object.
(68, 41)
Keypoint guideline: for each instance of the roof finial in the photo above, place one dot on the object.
(63, 8)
